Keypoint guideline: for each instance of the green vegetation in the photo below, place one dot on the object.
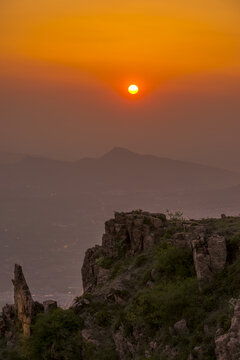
(175, 295)
(106, 352)
(9, 354)
(159, 289)
(55, 335)
(104, 262)
(103, 318)
(147, 221)
(174, 263)
(140, 260)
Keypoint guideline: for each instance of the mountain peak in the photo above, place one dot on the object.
(119, 152)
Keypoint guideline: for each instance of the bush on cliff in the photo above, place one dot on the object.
(173, 262)
(55, 335)
(10, 354)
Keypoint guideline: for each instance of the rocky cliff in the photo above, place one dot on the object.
(127, 263)
(156, 288)
(132, 233)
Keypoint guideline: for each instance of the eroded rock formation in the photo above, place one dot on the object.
(24, 309)
(125, 235)
(209, 255)
(24, 303)
(228, 345)
(131, 233)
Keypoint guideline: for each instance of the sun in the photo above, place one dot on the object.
(133, 89)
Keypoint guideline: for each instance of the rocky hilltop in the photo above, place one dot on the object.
(132, 233)
(156, 288)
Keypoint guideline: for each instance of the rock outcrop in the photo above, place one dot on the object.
(209, 255)
(125, 235)
(131, 233)
(25, 306)
(129, 292)
(181, 327)
(24, 309)
(228, 345)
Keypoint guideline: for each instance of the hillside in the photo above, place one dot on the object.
(155, 289)
(52, 211)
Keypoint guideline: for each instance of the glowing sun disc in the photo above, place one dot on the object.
(133, 89)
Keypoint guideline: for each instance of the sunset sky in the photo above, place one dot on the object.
(65, 67)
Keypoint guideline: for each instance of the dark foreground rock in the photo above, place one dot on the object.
(156, 288)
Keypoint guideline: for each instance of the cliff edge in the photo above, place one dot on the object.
(156, 288)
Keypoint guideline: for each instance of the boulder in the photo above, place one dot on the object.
(181, 327)
(227, 346)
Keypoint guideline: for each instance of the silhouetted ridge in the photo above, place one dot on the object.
(120, 153)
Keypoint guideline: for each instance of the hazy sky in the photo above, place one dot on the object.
(65, 67)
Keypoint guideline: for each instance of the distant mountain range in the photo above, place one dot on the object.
(120, 169)
(51, 211)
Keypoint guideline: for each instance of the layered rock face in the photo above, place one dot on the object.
(125, 235)
(228, 345)
(131, 233)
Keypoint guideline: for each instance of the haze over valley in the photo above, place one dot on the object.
(51, 211)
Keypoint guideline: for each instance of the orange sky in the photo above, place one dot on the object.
(65, 66)
(121, 41)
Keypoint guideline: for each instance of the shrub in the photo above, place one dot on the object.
(104, 261)
(106, 352)
(162, 217)
(174, 216)
(163, 306)
(119, 267)
(122, 246)
(173, 262)
(55, 335)
(103, 318)
(140, 260)
(137, 211)
(224, 321)
(147, 221)
(12, 354)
